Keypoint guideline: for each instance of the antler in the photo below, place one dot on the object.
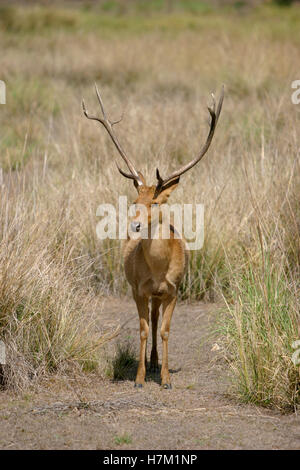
(214, 119)
(134, 174)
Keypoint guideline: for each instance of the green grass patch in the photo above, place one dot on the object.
(123, 439)
(115, 17)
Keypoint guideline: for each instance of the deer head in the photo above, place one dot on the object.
(158, 194)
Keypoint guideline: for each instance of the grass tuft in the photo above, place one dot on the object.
(124, 361)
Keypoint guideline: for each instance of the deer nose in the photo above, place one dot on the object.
(135, 226)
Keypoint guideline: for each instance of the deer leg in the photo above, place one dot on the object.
(142, 306)
(168, 308)
(154, 320)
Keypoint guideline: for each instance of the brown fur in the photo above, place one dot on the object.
(154, 268)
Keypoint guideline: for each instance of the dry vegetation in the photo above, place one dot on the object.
(58, 167)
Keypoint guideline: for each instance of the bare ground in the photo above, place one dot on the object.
(198, 413)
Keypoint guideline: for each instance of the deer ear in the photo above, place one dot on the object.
(166, 190)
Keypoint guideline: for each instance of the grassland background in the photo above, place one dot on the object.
(158, 62)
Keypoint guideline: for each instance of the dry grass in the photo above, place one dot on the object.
(58, 167)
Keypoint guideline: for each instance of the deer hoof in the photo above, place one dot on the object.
(138, 385)
(167, 386)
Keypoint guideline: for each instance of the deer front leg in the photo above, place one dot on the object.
(154, 320)
(168, 308)
(143, 310)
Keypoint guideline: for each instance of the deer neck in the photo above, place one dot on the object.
(157, 251)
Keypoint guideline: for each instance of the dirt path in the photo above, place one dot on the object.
(198, 413)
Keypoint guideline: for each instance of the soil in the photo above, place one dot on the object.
(96, 412)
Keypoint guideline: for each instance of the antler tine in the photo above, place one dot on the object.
(100, 102)
(109, 128)
(127, 175)
(214, 119)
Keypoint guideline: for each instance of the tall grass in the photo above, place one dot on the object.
(263, 319)
(58, 167)
(48, 314)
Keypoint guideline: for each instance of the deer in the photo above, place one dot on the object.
(154, 266)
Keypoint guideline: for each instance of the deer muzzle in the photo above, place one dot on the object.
(135, 226)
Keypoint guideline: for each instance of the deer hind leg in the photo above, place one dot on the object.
(154, 320)
(143, 310)
(168, 308)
